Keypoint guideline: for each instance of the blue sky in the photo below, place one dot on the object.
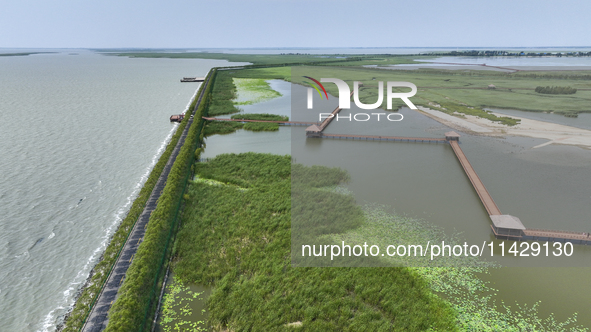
(286, 23)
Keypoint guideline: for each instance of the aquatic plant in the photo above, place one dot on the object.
(253, 90)
(176, 309)
(261, 126)
(260, 116)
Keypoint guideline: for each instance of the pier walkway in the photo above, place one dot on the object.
(384, 138)
(503, 226)
(333, 115)
(556, 236)
(487, 200)
(286, 123)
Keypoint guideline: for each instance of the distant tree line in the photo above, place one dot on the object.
(508, 53)
(556, 90)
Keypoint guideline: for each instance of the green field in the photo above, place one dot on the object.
(468, 88)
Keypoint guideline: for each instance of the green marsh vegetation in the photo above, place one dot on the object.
(253, 90)
(260, 116)
(236, 236)
(221, 127)
(257, 59)
(514, 90)
(453, 108)
(228, 127)
(223, 94)
(244, 264)
(261, 126)
(239, 242)
(466, 88)
(556, 90)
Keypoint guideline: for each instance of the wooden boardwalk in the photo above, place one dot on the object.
(384, 138)
(487, 200)
(334, 113)
(519, 233)
(328, 120)
(556, 236)
(286, 123)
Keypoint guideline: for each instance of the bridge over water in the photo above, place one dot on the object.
(504, 226)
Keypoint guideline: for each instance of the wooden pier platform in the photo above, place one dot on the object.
(334, 113)
(192, 79)
(286, 123)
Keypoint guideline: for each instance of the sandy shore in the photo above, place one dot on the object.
(555, 133)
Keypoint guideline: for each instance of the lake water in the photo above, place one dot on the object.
(278, 142)
(79, 135)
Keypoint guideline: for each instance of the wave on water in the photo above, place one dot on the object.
(50, 321)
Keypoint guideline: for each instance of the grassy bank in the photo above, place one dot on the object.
(99, 274)
(223, 95)
(228, 127)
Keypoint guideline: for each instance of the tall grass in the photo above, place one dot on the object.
(239, 241)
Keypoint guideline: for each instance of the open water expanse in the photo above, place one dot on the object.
(79, 134)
